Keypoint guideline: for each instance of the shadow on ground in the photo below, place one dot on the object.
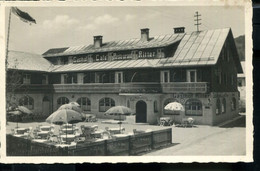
(241, 122)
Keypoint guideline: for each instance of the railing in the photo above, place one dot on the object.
(123, 146)
(87, 88)
(185, 87)
(34, 88)
(138, 87)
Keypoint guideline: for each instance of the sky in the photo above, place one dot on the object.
(75, 26)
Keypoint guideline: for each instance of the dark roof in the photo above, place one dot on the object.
(27, 61)
(157, 41)
(195, 49)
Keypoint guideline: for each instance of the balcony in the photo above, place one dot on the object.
(138, 87)
(185, 87)
(87, 88)
(32, 88)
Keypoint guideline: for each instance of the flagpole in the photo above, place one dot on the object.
(7, 41)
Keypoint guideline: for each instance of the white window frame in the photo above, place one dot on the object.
(163, 76)
(117, 77)
(46, 79)
(188, 75)
(27, 79)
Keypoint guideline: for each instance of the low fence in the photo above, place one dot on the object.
(123, 146)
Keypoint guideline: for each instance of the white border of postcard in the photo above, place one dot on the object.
(136, 159)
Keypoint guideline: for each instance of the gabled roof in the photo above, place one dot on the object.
(28, 62)
(157, 41)
(195, 49)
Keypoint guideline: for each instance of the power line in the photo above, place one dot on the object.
(197, 15)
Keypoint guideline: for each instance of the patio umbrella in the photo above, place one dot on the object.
(71, 107)
(74, 103)
(64, 116)
(19, 111)
(119, 111)
(174, 106)
(24, 110)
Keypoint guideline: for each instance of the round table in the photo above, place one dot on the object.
(43, 134)
(45, 128)
(20, 130)
(68, 137)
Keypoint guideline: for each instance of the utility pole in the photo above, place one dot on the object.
(197, 19)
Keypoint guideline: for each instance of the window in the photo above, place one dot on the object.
(193, 107)
(64, 78)
(165, 76)
(85, 103)
(119, 77)
(44, 79)
(191, 76)
(62, 100)
(233, 104)
(218, 107)
(27, 79)
(105, 104)
(128, 103)
(27, 101)
(155, 106)
(223, 106)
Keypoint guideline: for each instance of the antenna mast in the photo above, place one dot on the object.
(197, 19)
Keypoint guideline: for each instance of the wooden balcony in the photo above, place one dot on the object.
(87, 88)
(32, 88)
(139, 87)
(185, 87)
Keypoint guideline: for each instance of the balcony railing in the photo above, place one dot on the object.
(185, 87)
(138, 87)
(87, 88)
(31, 88)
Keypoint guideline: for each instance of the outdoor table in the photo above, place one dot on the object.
(71, 145)
(120, 135)
(68, 138)
(20, 130)
(39, 140)
(45, 128)
(164, 121)
(68, 130)
(43, 134)
(20, 135)
(115, 130)
(67, 126)
(97, 134)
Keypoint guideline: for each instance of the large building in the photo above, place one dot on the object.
(197, 69)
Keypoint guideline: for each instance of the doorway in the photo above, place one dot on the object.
(141, 112)
(46, 105)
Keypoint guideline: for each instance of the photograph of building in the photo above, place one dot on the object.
(138, 58)
(197, 69)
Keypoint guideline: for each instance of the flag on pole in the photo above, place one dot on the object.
(23, 15)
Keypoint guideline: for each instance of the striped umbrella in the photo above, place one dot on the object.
(119, 111)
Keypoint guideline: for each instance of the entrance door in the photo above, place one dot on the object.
(141, 112)
(45, 106)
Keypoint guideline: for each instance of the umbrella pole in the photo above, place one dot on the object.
(16, 121)
(120, 123)
(66, 135)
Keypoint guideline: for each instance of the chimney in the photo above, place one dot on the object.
(145, 34)
(179, 30)
(97, 41)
